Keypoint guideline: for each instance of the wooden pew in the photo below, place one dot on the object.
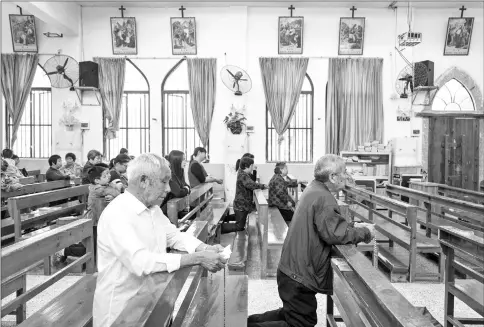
(404, 235)
(39, 178)
(435, 210)
(38, 187)
(365, 297)
(461, 194)
(18, 258)
(272, 230)
(198, 197)
(19, 222)
(470, 217)
(469, 291)
(26, 180)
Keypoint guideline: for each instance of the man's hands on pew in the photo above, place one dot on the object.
(211, 261)
(371, 228)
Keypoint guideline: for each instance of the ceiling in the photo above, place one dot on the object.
(305, 3)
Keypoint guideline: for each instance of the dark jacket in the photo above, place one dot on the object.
(178, 190)
(315, 228)
(85, 170)
(53, 174)
(244, 189)
(115, 175)
(278, 195)
(196, 173)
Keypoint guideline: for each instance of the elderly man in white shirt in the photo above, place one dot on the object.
(133, 235)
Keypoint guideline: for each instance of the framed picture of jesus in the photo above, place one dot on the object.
(291, 35)
(183, 35)
(351, 35)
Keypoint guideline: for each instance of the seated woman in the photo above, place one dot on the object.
(278, 195)
(196, 173)
(243, 203)
(253, 175)
(178, 186)
(71, 167)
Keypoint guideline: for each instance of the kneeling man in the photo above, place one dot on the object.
(305, 264)
(133, 235)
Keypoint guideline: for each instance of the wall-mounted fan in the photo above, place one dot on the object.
(236, 79)
(410, 76)
(63, 71)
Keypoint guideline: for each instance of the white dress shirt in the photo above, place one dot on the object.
(132, 241)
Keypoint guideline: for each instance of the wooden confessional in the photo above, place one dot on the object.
(454, 151)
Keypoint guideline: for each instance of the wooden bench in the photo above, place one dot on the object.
(39, 178)
(404, 235)
(198, 197)
(19, 222)
(26, 180)
(469, 291)
(272, 230)
(364, 296)
(20, 257)
(436, 210)
(37, 188)
(73, 307)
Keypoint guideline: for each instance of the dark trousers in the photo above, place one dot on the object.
(287, 215)
(298, 306)
(239, 225)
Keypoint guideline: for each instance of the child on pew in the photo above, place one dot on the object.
(12, 169)
(99, 189)
(9, 183)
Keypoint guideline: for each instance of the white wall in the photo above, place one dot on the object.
(246, 33)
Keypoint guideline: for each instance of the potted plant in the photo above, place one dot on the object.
(68, 119)
(234, 121)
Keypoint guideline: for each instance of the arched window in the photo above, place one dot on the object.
(34, 136)
(298, 139)
(178, 129)
(134, 122)
(453, 96)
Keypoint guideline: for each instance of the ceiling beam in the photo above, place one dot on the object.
(61, 17)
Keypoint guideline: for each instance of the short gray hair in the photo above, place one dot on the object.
(147, 164)
(327, 165)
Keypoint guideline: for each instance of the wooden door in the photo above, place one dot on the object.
(454, 151)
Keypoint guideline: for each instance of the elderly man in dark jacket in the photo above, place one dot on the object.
(305, 264)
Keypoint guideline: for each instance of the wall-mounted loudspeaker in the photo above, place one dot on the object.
(429, 73)
(88, 74)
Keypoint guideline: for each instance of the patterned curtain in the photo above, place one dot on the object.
(18, 71)
(354, 103)
(111, 86)
(202, 78)
(282, 79)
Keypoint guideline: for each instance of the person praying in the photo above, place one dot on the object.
(305, 264)
(133, 237)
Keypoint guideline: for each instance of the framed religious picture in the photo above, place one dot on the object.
(351, 35)
(123, 36)
(24, 33)
(291, 35)
(458, 36)
(183, 35)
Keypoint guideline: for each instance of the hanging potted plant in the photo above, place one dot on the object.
(234, 121)
(68, 119)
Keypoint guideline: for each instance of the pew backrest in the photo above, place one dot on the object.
(26, 253)
(37, 175)
(433, 201)
(26, 180)
(16, 204)
(460, 193)
(40, 187)
(198, 197)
